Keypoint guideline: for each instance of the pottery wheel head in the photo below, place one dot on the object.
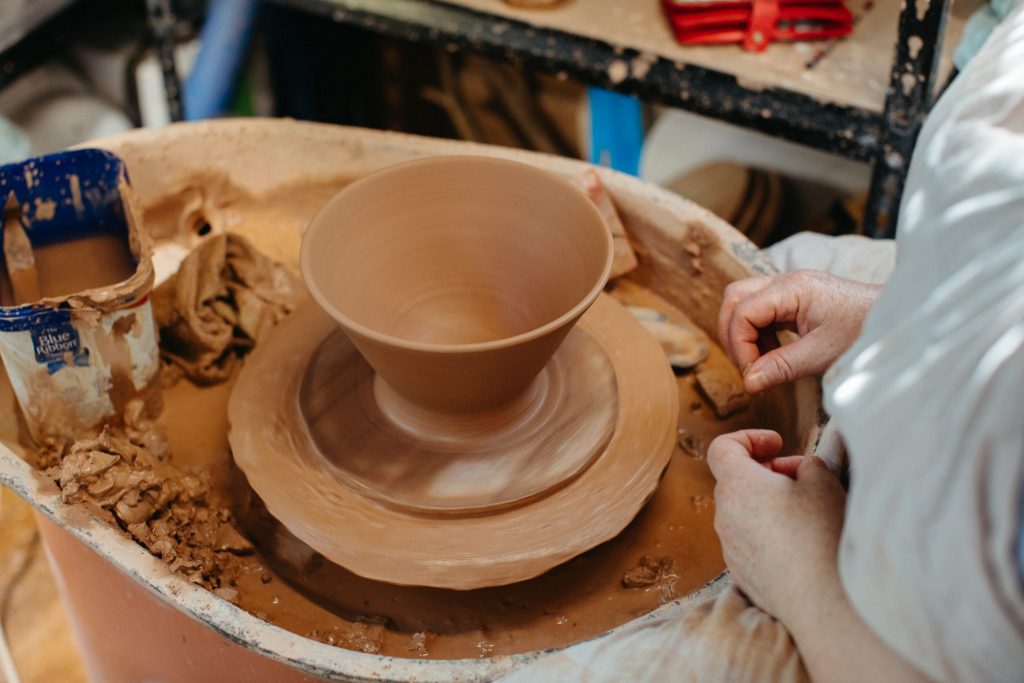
(457, 393)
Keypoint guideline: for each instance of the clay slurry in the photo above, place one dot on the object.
(32, 272)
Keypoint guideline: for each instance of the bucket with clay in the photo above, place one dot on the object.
(76, 326)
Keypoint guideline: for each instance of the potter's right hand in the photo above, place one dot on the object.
(826, 311)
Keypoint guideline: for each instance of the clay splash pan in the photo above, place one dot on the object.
(460, 406)
(264, 179)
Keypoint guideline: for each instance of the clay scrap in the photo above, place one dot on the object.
(688, 347)
(624, 258)
(685, 347)
(124, 472)
(648, 571)
(224, 298)
(657, 573)
(722, 385)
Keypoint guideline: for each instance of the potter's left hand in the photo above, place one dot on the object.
(825, 310)
(779, 521)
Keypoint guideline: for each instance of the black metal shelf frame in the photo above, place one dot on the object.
(883, 139)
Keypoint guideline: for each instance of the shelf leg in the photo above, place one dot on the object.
(918, 49)
(161, 23)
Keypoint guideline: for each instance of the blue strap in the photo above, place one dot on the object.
(224, 44)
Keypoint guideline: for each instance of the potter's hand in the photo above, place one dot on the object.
(826, 311)
(779, 521)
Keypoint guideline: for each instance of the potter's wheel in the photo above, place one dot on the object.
(358, 506)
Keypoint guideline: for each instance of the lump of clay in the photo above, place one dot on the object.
(648, 571)
(164, 509)
(722, 385)
(623, 258)
(221, 302)
(684, 347)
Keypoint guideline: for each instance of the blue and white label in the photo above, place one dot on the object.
(57, 345)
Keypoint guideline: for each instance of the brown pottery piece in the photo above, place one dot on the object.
(445, 460)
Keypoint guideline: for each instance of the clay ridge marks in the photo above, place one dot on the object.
(283, 466)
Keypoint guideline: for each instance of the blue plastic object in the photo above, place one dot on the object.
(224, 44)
(616, 130)
(66, 195)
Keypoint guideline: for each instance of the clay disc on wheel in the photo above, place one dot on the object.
(570, 417)
(274, 446)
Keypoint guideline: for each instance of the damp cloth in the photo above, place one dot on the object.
(224, 298)
(721, 638)
(853, 257)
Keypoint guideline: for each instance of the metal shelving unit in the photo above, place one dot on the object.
(764, 92)
(883, 136)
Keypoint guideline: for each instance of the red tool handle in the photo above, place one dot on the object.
(756, 23)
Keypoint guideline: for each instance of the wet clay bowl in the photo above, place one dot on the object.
(456, 278)
(220, 174)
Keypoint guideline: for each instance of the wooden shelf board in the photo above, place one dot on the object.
(855, 73)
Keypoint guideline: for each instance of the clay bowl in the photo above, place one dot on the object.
(456, 278)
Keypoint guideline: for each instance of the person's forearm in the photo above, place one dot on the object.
(838, 647)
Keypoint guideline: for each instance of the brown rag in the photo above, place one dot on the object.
(224, 298)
